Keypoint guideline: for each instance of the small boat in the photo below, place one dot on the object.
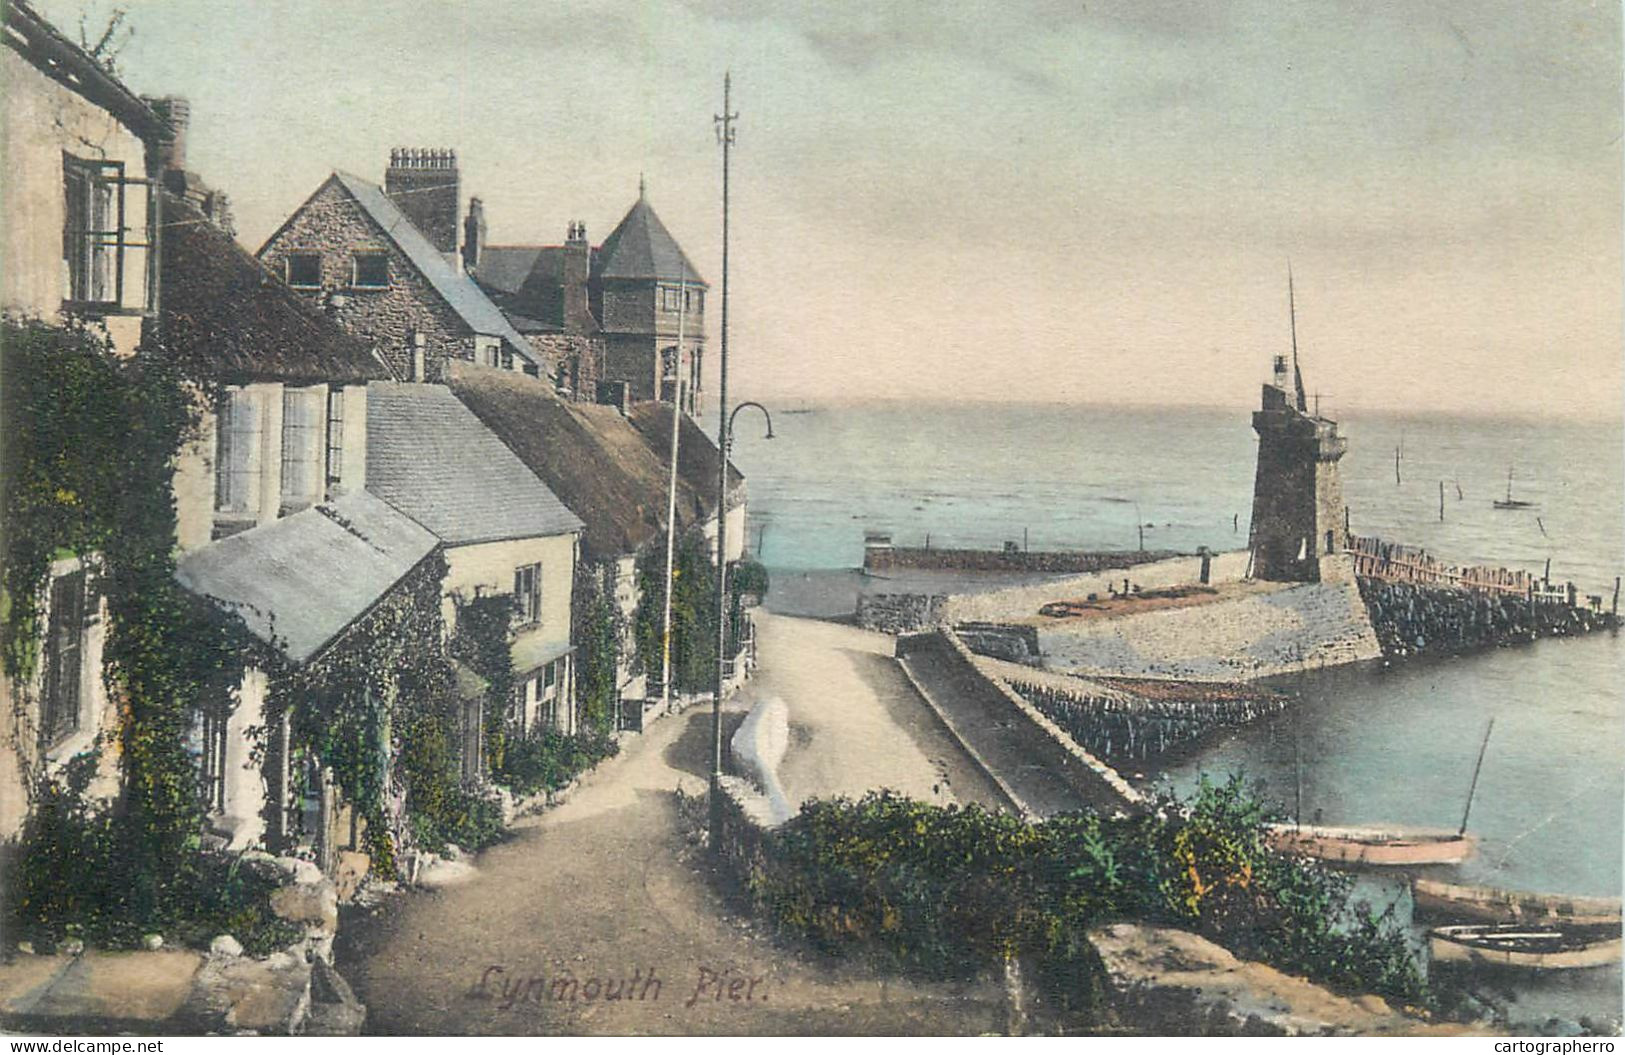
(1434, 897)
(1524, 946)
(1509, 502)
(1385, 847)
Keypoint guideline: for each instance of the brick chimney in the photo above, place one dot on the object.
(573, 275)
(423, 183)
(474, 235)
(171, 153)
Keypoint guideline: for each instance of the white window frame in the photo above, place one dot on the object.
(287, 268)
(355, 269)
(527, 602)
(97, 238)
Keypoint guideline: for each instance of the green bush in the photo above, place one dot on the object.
(69, 876)
(948, 891)
(552, 760)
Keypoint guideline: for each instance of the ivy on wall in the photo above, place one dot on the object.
(598, 628)
(693, 613)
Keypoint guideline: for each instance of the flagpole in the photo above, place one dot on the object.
(671, 489)
(725, 136)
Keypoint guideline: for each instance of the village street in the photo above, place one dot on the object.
(609, 884)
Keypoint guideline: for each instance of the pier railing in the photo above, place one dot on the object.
(1397, 562)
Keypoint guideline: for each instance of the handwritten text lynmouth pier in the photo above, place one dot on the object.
(710, 985)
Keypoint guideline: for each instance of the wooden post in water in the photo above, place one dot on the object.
(1396, 464)
(1616, 596)
(1441, 500)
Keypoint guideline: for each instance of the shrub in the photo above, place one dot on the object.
(69, 876)
(948, 891)
(552, 760)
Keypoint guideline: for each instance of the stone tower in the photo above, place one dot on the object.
(424, 185)
(1298, 492)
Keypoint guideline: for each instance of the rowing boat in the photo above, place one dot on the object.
(1387, 847)
(1524, 946)
(1434, 897)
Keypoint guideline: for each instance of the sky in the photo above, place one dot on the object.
(1021, 200)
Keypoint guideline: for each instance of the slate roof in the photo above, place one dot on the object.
(223, 310)
(589, 455)
(459, 291)
(696, 452)
(299, 582)
(504, 268)
(431, 458)
(640, 247)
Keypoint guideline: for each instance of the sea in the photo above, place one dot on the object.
(1379, 743)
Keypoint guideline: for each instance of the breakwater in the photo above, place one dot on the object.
(1412, 618)
(884, 556)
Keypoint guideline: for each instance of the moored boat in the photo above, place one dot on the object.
(1433, 897)
(1387, 847)
(1528, 947)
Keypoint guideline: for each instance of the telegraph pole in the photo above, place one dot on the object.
(724, 124)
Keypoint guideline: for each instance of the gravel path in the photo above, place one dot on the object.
(593, 896)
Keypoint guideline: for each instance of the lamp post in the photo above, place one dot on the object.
(724, 124)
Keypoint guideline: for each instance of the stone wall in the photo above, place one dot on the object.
(1414, 619)
(880, 558)
(333, 224)
(897, 613)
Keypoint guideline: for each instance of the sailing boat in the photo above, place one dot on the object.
(1509, 502)
(1385, 846)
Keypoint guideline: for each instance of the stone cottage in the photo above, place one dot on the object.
(604, 470)
(81, 212)
(354, 252)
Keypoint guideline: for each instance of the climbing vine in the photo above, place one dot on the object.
(693, 613)
(481, 643)
(86, 469)
(598, 629)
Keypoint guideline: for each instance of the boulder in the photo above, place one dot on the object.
(225, 945)
(314, 904)
(152, 942)
(348, 872)
(334, 1009)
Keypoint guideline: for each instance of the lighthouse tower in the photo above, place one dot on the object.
(1298, 490)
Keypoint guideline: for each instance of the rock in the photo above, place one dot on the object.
(301, 870)
(313, 904)
(73, 947)
(26, 948)
(348, 872)
(225, 945)
(439, 873)
(152, 942)
(452, 852)
(268, 997)
(334, 1009)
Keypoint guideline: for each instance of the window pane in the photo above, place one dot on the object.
(371, 269)
(335, 435)
(301, 436)
(59, 710)
(305, 269)
(237, 463)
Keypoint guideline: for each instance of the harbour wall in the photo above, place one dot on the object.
(1060, 562)
(1414, 619)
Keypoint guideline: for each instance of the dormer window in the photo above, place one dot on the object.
(371, 270)
(305, 270)
(671, 298)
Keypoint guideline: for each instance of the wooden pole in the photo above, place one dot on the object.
(1396, 465)
(1476, 767)
(1441, 500)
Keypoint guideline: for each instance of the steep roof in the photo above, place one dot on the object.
(429, 457)
(696, 452)
(59, 58)
(301, 581)
(459, 291)
(640, 247)
(589, 455)
(222, 309)
(504, 268)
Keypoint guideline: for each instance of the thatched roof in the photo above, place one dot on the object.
(222, 309)
(697, 452)
(590, 456)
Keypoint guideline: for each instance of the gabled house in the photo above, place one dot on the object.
(697, 467)
(351, 250)
(618, 306)
(81, 219)
(290, 428)
(604, 470)
(504, 533)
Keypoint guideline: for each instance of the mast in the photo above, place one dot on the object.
(1476, 767)
(724, 124)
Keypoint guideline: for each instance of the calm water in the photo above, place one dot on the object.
(1376, 745)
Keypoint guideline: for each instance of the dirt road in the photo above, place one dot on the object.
(600, 917)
